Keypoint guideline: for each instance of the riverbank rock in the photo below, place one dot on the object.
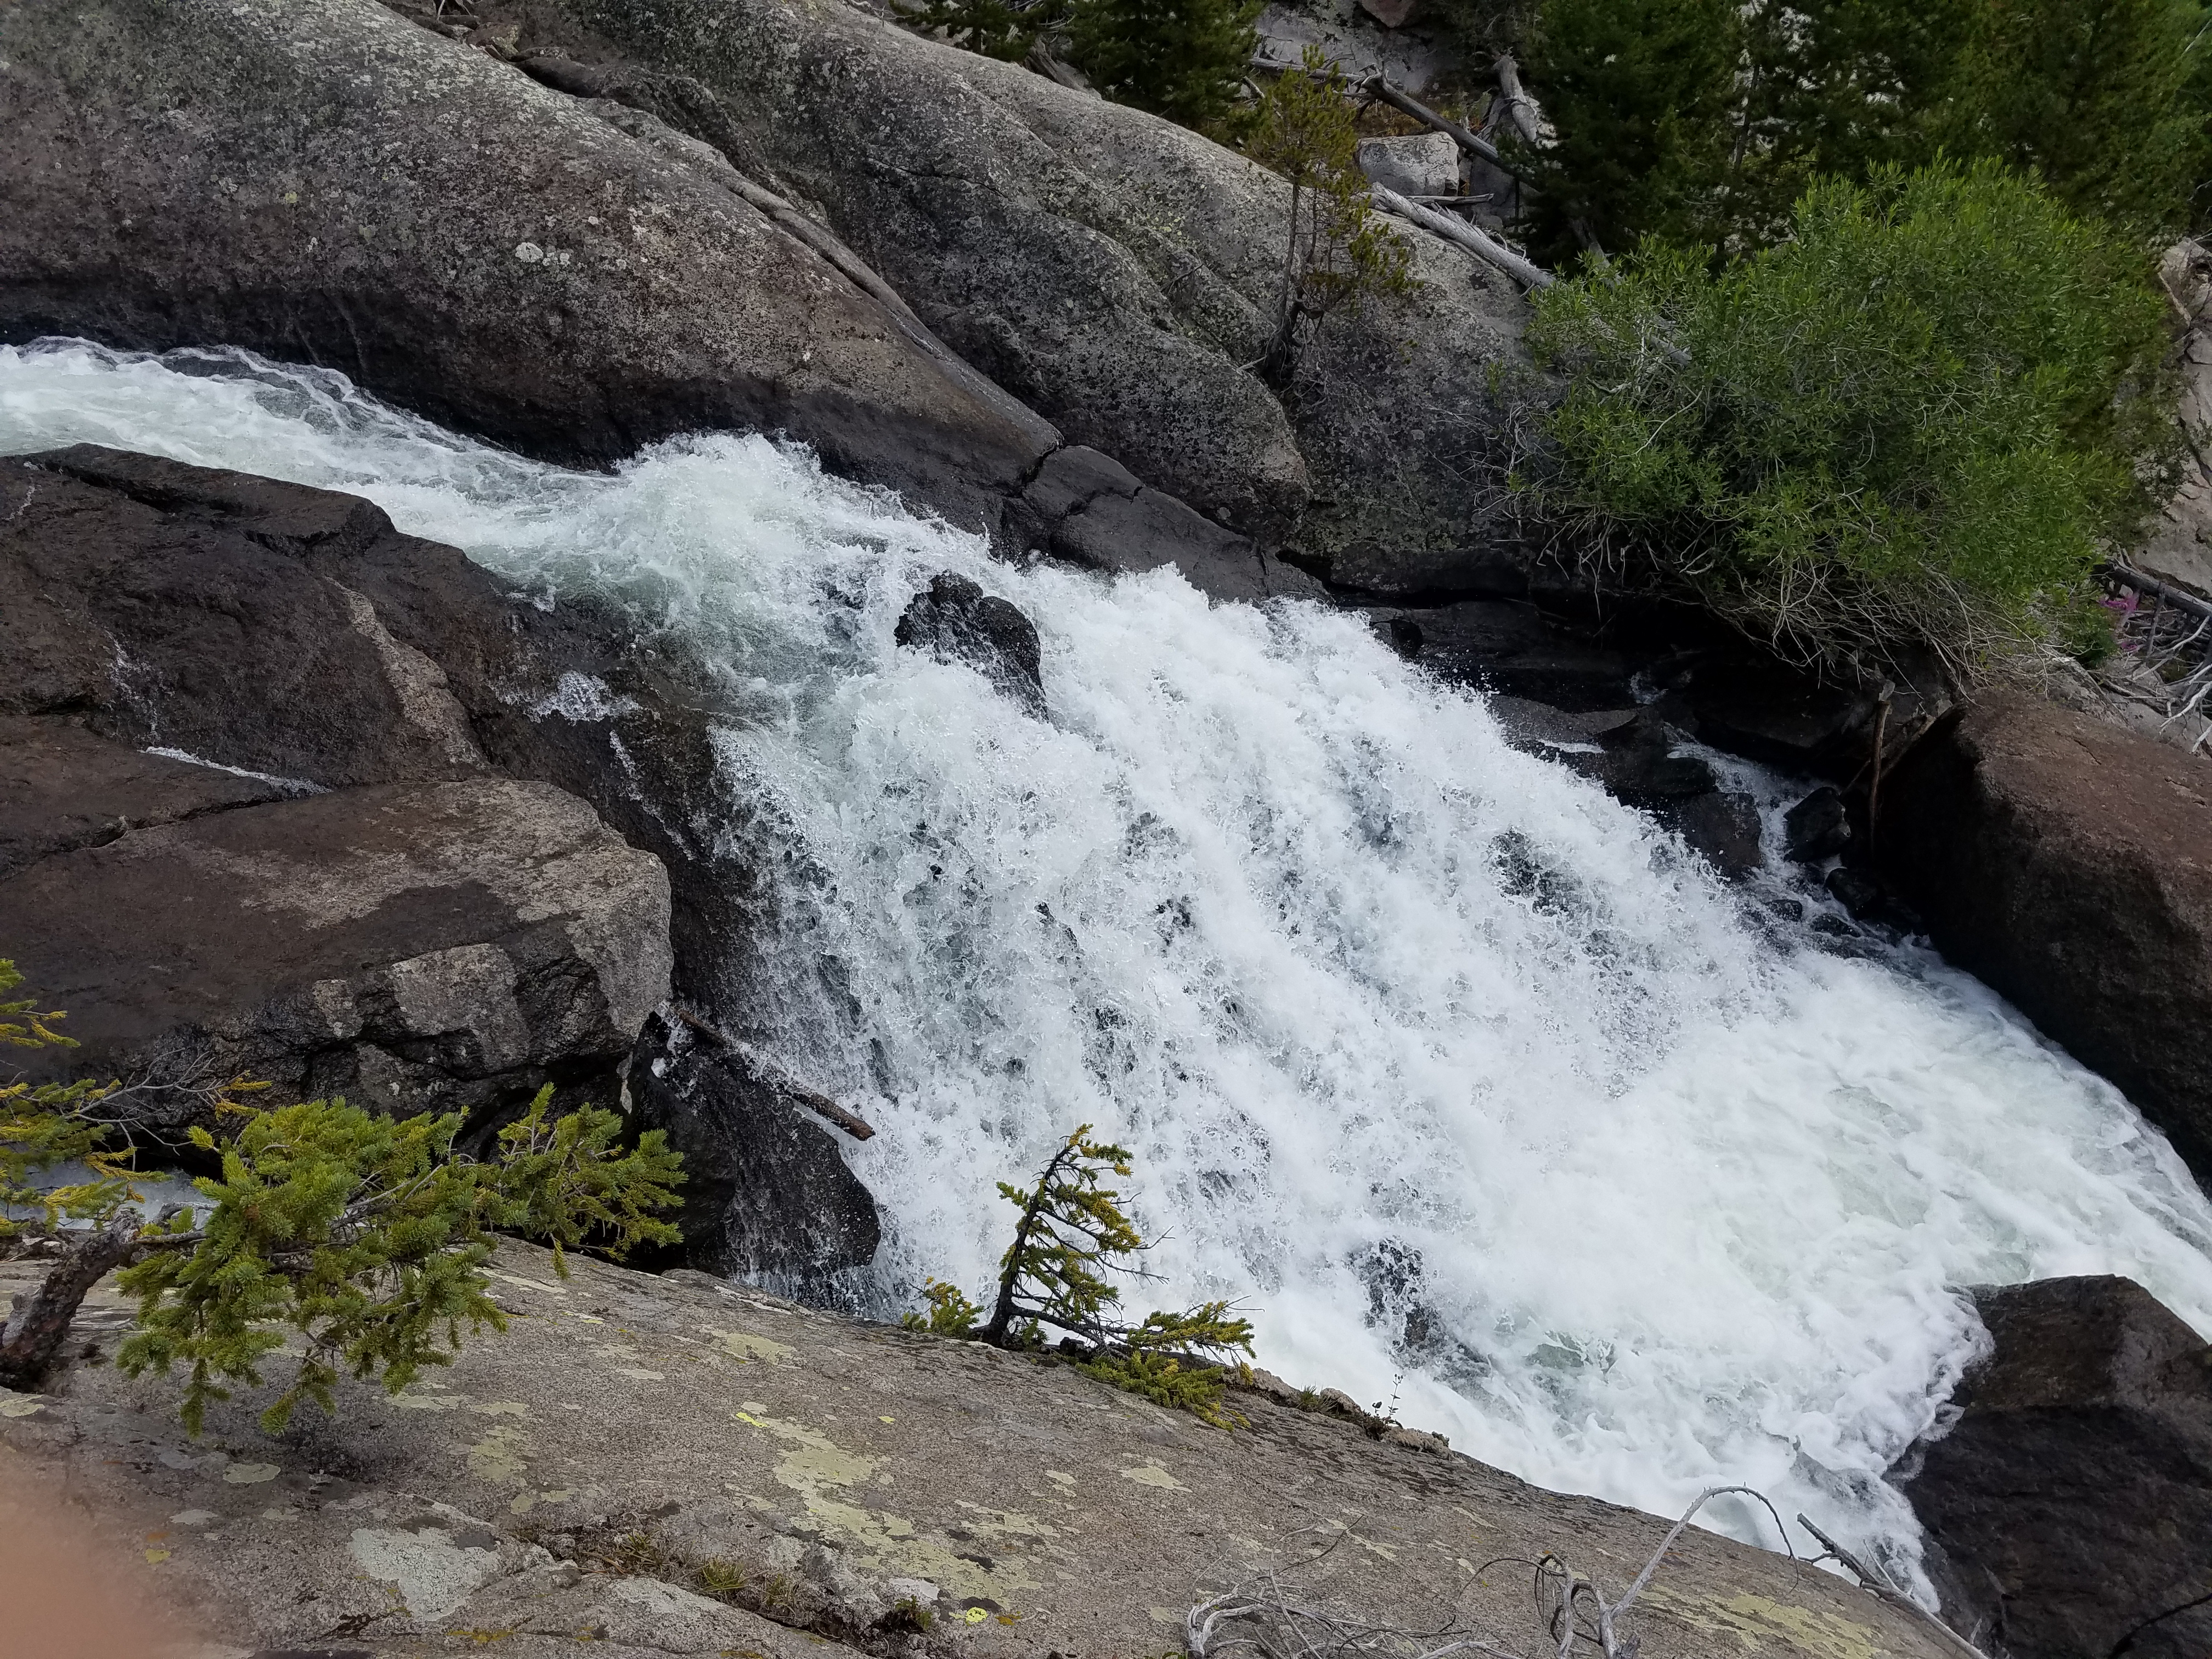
(644, 1465)
(1115, 271)
(408, 947)
(288, 791)
(2070, 1502)
(2068, 864)
(322, 180)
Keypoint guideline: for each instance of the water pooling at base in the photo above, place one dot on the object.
(1489, 1101)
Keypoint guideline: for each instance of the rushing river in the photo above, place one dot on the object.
(1487, 1101)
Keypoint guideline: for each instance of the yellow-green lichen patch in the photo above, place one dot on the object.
(1151, 1474)
(250, 1475)
(1006, 1523)
(1753, 1621)
(744, 1345)
(819, 1471)
(497, 1459)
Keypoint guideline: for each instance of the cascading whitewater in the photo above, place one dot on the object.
(1488, 1102)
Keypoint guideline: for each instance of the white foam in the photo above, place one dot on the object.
(1347, 971)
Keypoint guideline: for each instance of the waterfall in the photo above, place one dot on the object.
(1486, 1100)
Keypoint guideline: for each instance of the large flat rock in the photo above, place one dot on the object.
(560, 1489)
(410, 946)
(322, 180)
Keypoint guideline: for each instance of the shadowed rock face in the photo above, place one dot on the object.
(322, 180)
(2069, 864)
(2070, 1504)
(405, 945)
(370, 863)
(766, 1196)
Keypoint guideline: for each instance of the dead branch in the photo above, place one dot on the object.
(1880, 1585)
(1458, 231)
(851, 1122)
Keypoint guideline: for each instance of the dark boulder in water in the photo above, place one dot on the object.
(766, 1196)
(956, 621)
(2068, 864)
(1817, 827)
(2070, 1505)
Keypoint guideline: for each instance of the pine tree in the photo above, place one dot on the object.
(1183, 59)
(1336, 254)
(991, 29)
(1840, 88)
(1640, 93)
(366, 1235)
(2105, 98)
(1072, 1233)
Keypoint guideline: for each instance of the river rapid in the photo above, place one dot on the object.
(1488, 1102)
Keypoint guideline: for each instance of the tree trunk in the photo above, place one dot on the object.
(1521, 109)
(1379, 88)
(1002, 1315)
(39, 1322)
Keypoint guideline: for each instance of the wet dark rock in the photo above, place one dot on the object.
(62, 788)
(1509, 647)
(2068, 864)
(1088, 509)
(1722, 825)
(2070, 1505)
(957, 621)
(1817, 827)
(1857, 891)
(1769, 712)
(1423, 575)
(767, 1197)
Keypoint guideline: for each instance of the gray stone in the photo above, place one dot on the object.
(1427, 164)
(410, 946)
(1115, 271)
(570, 1479)
(322, 179)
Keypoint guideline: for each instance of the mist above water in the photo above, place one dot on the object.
(1484, 1098)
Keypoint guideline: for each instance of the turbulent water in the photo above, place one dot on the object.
(1486, 1100)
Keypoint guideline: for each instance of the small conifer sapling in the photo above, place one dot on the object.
(365, 1235)
(1071, 1234)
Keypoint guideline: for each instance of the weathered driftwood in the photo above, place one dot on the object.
(1477, 242)
(1376, 87)
(851, 1122)
(1527, 116)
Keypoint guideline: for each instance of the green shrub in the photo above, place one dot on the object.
(1917, 420)
(1181, 58)
(365, 1235)
(1071, 1234)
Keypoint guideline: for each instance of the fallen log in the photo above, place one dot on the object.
(1477, 242)
(1376, 87)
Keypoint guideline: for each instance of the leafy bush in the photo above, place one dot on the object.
(1181, 58)
(1337, 254)
(1071, 1233)
(1917, 420)
(366, 1235)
